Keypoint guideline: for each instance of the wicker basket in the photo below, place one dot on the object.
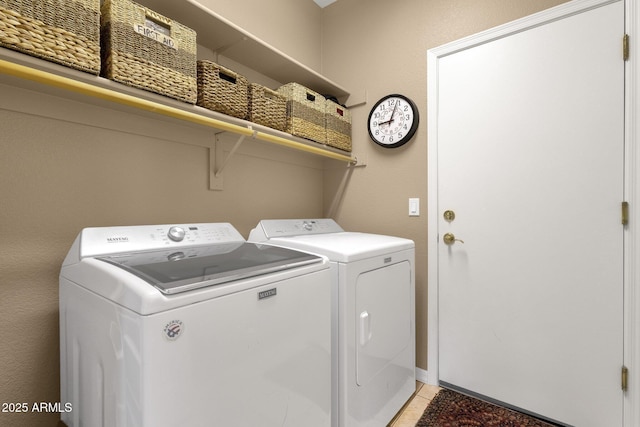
(146, 50)
(222, 90)
(305, 112)
(338, 124)
(267, 107)
(66, 32)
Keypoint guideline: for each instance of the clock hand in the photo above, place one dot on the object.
(395, 107)
(392, 114)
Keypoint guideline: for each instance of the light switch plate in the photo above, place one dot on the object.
(414, 207)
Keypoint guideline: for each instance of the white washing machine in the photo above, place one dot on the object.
(373, 313)
(189, 325)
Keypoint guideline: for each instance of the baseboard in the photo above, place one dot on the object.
(422, 376)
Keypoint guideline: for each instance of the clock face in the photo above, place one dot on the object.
(393, 121)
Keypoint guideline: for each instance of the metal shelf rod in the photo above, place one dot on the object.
(304, 147)
(32, 74)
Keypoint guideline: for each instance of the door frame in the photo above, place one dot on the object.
(631, 274)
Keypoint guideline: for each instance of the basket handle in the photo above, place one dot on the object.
(228, 77)
(340, 111)
(310, 97)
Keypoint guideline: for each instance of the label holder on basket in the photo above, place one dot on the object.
(156, 31)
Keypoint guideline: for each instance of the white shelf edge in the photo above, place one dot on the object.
(37, 74)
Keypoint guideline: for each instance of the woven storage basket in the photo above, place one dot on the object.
(62, 31)
(267, 107)
(305, 112)
(146, 50)
(338, 124)
(222, 90)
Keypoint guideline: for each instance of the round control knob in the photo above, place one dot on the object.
(176, 234)
(176, 256)
(307, 226)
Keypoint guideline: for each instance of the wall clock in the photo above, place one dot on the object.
(393, 121)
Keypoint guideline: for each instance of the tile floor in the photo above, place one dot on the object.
(413, 410)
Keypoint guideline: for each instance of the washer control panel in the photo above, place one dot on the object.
(109, 240)
(271, 228)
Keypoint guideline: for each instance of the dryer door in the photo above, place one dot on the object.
(383, 319)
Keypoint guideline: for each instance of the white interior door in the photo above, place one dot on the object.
(530, 155)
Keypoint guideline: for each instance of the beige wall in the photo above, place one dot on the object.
(65, 164)
(291, 26)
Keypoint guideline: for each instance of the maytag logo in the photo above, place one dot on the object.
(117, 239)
(268, 293)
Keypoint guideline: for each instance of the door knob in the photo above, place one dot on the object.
(450, 239)
(449, 215)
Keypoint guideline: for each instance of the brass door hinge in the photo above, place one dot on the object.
(625, 47)
(625, 378)
(625, 213)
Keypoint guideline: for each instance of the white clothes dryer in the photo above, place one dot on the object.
(373, 312)
(189, 325)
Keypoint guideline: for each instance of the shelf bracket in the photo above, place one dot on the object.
(216, 154)
(357, 162)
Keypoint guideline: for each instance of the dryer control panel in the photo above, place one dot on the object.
(271, 228)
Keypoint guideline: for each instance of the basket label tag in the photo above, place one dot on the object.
(154, 34)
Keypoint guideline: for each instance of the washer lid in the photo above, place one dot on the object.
(173, 271)
(346, 246)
